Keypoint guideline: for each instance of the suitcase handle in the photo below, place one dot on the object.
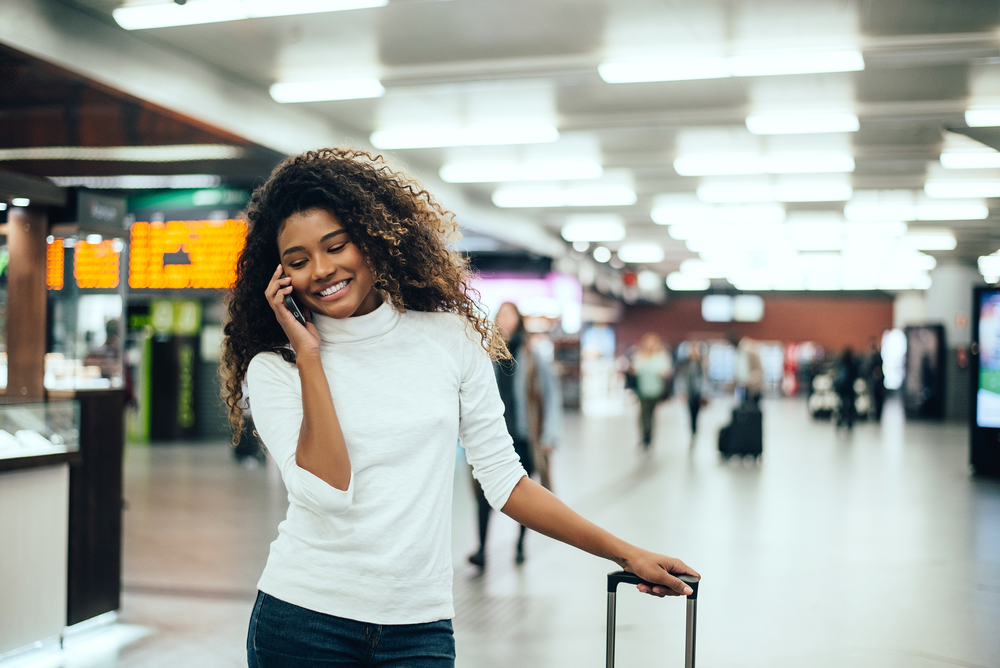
(622, 577)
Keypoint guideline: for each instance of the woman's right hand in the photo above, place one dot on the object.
(304, 340)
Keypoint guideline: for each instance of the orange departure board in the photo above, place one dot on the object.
(185, 253)
(96, 265)
(54, 256)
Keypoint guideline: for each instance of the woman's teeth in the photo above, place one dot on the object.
(333, 288)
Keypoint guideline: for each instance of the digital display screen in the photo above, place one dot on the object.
(988, 394)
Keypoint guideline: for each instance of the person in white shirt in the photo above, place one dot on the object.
(361, 407)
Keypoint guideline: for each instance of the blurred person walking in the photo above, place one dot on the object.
(695, 380)
(652, 367)
(749, 372)
(875, 375)
(360, 399)
(532, 399)
(843, 384)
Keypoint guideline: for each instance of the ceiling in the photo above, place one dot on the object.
(469, 61)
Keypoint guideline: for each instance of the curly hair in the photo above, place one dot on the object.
(401, 231)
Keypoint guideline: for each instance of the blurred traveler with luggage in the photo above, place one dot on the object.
(695, 381)
(749, 371)
(532, 399)
(652, 367)
(361, 403)
(843, 384)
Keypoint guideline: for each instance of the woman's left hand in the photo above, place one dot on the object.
(660, 569)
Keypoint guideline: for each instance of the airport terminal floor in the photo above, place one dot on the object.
(871, 549)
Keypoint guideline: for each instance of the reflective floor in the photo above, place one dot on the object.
(869, 549)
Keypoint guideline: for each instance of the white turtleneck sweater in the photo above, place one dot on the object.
(406, 387)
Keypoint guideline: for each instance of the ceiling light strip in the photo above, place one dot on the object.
(168, 153)
(741, 65)
(195, 12)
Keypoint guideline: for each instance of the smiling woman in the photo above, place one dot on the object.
(361, 403)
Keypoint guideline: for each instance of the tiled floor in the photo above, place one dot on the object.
(872, 550)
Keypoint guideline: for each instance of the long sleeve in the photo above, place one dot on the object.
(276, 406)
(482, 429)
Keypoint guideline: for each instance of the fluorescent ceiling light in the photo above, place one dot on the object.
(94, 239)
(138, 182)
(805, 62)
(561, 197)
(952, 211)
(718, 164)
(808, 163)
(985, 159)
(168, 153)
(802, 123)
(813, 192)
(640, 253)
(742, 65)
(440, 136)
(21, 201)
(680, 69)
(875, 228)
(786, 192)
(602, 254)
(323, 91)
(946, 189)
(922, 211)
(732, 164)
(687, 283)
(920, 240)
(168, 14)
(533, 170)
(701, 213)
(603, 228)
(982, 118)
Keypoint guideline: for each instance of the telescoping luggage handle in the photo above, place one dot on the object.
(621, 577)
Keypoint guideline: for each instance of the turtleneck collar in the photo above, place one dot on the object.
(356, 329)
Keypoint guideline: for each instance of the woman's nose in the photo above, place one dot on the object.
(323, 267)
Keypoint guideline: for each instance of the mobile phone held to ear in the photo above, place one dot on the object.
(292, 306)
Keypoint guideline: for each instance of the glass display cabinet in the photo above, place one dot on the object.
(35, 429)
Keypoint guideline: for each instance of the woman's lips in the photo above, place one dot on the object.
(334, 296)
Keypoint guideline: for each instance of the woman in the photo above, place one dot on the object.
(532, 403)
(651, 366)
(361, 408)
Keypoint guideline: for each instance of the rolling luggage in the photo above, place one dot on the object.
(621, 577)
(744, 435)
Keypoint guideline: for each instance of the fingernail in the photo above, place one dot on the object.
(688, 590)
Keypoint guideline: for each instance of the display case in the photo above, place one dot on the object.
(39, 442)
(38, 430)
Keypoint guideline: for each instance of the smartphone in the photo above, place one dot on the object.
(292, 306)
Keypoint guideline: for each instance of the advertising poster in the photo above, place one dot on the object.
(988, 395)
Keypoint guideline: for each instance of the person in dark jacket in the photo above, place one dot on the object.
(847, 373)
(529, 389)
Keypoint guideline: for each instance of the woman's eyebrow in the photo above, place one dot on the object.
(296, 249)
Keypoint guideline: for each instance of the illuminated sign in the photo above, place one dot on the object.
(185, 253)
(96, 265)
(54, 274)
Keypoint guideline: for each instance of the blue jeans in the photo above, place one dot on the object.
(283, 635)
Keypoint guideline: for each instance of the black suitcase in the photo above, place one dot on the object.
(621, 577)
(744, 435)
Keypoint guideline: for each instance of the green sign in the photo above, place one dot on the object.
(175, 317)
(205, 198)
